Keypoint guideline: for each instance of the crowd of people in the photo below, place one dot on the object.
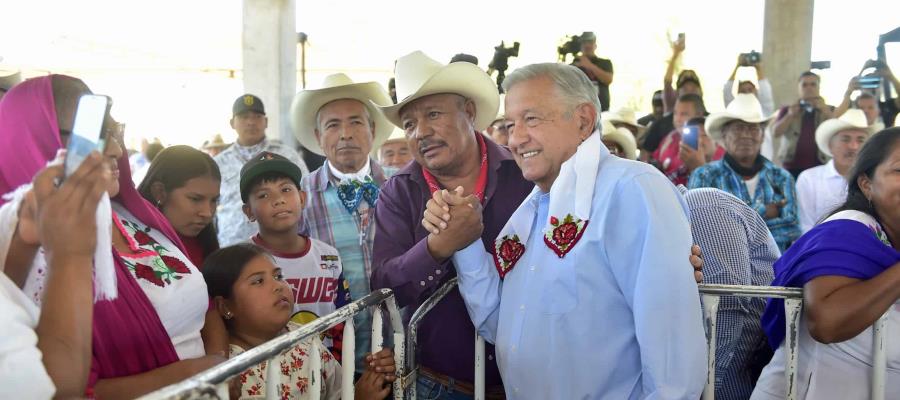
(578, 236)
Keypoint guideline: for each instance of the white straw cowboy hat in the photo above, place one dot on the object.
(307, 103)
(622, 136)
(852, 119)
(622, 115)
(397, 135)
(418, 75)
(745, 107)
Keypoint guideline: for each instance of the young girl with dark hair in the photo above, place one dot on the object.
(251, 295)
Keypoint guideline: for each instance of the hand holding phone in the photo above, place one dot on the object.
(87, 130)
(690, 135)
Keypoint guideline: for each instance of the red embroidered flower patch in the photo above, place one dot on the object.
(176, 265)
(142, 238)
(565, 234)
(507, 251)
(147, 273)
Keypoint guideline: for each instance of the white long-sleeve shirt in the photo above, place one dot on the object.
(763, 93)
(819, 191)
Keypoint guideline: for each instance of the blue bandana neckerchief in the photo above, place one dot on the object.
(352, 192)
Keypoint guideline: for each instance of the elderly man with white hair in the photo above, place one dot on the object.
(822, 189)
(579, 293)
(745, 173)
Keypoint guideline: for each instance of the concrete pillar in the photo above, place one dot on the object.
(270, 60)
(787, 45)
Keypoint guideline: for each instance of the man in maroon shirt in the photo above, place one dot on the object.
(797, 123)
(442, 109)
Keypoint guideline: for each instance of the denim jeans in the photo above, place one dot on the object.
(427, 389)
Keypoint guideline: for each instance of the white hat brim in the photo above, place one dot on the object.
(831, 127)
(462, 78)
(307, 103)
(625, 139)
(715, 122)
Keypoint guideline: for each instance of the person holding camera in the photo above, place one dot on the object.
(598, 70)
(763, 92)
(880, 114)
(797, 125)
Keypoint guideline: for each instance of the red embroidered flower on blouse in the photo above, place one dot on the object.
(142, 238)
(176, 265)
(145, 272)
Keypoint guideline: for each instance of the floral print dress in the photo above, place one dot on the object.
(295, 373)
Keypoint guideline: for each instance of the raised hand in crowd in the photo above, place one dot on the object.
(690, 157)
(51, 217)
(447, 237)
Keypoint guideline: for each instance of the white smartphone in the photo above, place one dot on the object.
(87, 130)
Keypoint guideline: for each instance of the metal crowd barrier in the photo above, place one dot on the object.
(793, 304)
(408, 382)
(213, 383)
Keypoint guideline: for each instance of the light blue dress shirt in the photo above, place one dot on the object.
(618, 318)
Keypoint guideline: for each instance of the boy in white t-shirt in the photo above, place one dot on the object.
(270, 190)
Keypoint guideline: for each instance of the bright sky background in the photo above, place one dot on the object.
(167, 63)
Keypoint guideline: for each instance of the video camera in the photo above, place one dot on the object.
(750, 59)
(571, 46)
(500, 62)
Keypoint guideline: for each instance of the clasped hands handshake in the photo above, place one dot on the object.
(453, 221)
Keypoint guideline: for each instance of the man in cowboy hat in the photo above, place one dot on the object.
(442, 110)
(578, 291)
(248, 118)
(745, 173)
(822, 189)
(215, 146)
(619, 141)
(394, 152)
(339, 121)
(598, 70)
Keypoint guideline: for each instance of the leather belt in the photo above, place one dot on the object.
(493, 392)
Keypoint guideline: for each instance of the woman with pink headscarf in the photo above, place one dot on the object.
(149, 335)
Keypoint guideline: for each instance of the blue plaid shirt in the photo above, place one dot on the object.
(737, 250)
(775, 184)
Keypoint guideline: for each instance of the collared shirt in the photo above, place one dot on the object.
(737, 250)
(325, 218)
(775, 185)
(617, 318)
(233, 225)
(402, 261)
(819, 191)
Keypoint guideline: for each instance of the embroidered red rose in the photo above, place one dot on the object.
(142, 238)
(176, 265)
(145, 272)
(565, 234)
(511, 250)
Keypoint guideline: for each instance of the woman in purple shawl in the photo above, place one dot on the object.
(149, 335)
(849, 269)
